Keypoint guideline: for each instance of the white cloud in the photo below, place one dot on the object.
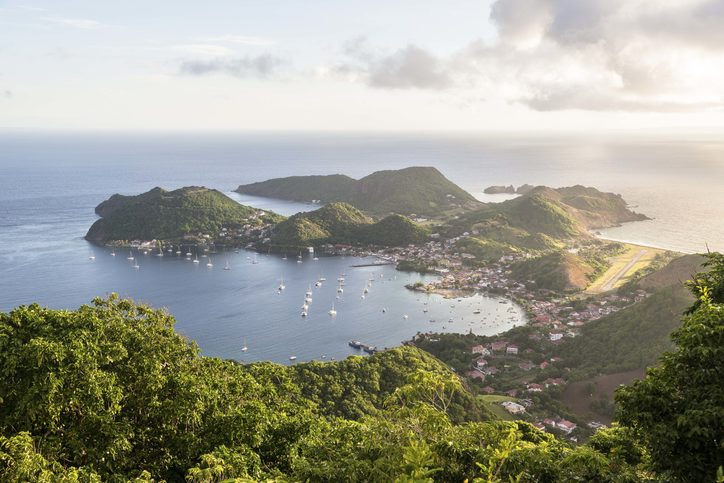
(78, 23)
(619, 55)
(239, 40)
(210, 50)
(261, 66)
(408, 67)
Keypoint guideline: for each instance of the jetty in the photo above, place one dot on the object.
(375, 264)
(370, 349)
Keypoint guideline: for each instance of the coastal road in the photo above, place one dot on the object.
(621, 273)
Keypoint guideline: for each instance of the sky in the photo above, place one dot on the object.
(403, 65)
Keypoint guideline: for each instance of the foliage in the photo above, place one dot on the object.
(109, 392)
(343, 223)
(678, 408)
(419, 190)
(169, 215)
(558, 271)
(632, 338)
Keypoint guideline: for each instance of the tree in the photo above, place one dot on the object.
(677, 410)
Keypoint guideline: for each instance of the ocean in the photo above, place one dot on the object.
(50, 184)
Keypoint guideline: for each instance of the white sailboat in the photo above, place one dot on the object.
(209, 264)
(113, 252)
(227, 267)
(281, 285)
(332, 311)
(196, 260)
(244, 348)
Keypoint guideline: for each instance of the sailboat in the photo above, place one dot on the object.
(113, 252)
(227, 267)
(244, 348)
(309, 292)
(178, 250)
(160, 253)
(196, 260)
(332, 312)
(281, 285)
(130, 255)
(209, 264)
(136, 266)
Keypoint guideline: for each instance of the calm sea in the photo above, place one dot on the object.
(49, 185)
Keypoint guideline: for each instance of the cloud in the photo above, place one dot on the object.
(78, 23)
(261, 66)
(203, 49)
(408, 67)
(622, 55)
(240, 40)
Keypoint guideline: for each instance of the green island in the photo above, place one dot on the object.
(110, 392)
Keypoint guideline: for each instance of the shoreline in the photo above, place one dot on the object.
(640, 244)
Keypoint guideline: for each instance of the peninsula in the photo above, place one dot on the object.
(186, 213)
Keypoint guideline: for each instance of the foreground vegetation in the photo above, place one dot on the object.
(109, 392)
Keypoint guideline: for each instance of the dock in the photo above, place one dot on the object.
(376, 264)
(370, 349)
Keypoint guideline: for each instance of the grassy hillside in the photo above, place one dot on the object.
(420, 190)
(557, 213)
(343, 223)
(560, 271)
(168, 215)
(632, 338)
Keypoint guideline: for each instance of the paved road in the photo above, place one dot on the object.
(610, 283)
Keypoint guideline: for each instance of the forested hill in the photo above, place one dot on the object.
(416, 190)
(558, 213)
(343, 223)
(169, 215)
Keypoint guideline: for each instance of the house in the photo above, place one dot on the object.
(481, 363)
(543, 365)
(498, 345)
(512, 392)
(555, 336)
(526, 366)
(533, 387)
(540, 426)
(513, 407)
(566, 426)
(511, 350)
(549, 422)
(554, 382)
(479, 349)
(475, 374)
(488, 390)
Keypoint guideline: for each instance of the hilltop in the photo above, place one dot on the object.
(343, 223)
(170, 215)
(423, 191)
